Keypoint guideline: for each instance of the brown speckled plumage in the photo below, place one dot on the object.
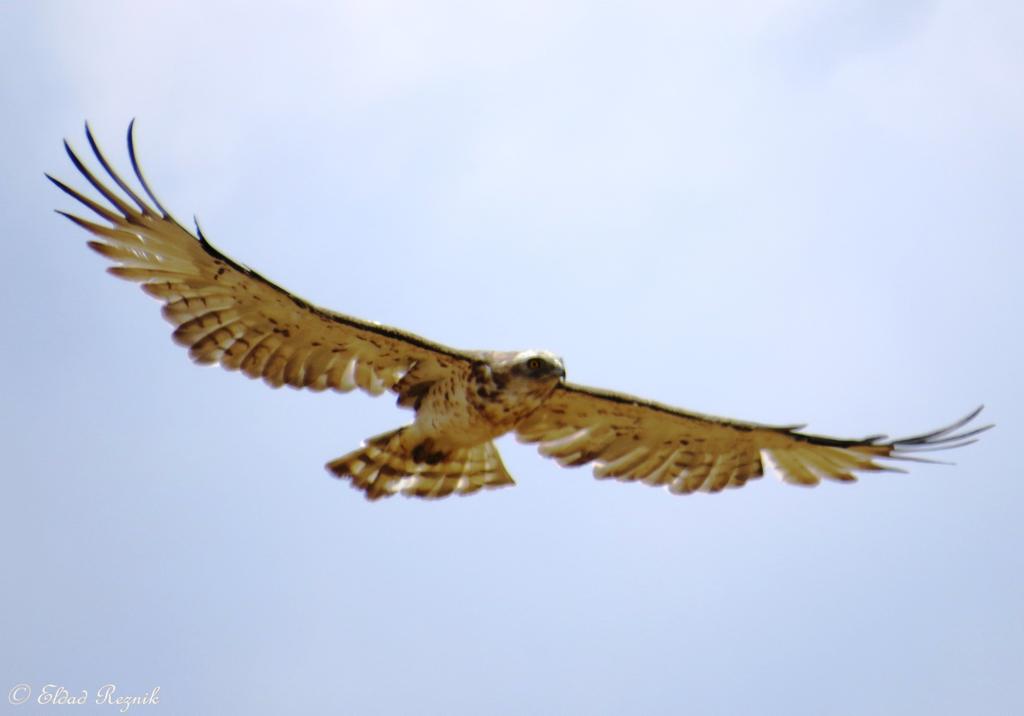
(226, 313)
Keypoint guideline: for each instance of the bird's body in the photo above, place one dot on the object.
(228, 314)
(488, 401)
(448, 446)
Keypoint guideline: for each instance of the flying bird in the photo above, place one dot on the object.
(226, 313)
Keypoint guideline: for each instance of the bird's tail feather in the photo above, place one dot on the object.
(387, 465)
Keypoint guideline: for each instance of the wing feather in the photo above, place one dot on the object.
(226, 313)
(636, 440)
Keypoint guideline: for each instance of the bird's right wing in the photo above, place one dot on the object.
(226, 313)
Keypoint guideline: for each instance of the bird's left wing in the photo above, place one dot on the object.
(226, 313)
(636, 440)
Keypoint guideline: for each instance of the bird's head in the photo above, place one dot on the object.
(509, 385)
(529, 372)
(537, 365)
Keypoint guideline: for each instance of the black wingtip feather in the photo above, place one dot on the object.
(199, 232)
(89, 203)
(910, 447)
(69, 215)
(116, 201)
(138, 172)
(944, 438)
(125, 187)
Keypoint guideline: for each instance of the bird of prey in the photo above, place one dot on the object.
(226, 313)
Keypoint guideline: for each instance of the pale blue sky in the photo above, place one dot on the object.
(781, 211)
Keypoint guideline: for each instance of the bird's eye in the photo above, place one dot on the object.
(534, 364)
